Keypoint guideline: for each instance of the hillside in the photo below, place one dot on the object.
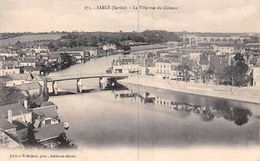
(30, 38)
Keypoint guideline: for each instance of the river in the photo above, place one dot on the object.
(169, 119)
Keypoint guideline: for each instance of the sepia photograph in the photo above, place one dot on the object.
(131, 80)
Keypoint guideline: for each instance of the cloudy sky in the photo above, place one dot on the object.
(70, 15)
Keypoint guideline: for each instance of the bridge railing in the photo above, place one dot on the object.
(85, 75)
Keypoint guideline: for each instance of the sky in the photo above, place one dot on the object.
(70, 15)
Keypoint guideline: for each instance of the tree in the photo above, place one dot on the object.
(184, 68)
(241, 116)
(9, 95)
(239, 58)
(236, 75)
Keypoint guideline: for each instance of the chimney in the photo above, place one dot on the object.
(10, 116)
(25, 104)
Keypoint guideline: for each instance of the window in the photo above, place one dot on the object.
(48, 121)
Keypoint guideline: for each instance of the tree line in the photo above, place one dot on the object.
(75, 39)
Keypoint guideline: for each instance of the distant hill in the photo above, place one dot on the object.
(30, 38)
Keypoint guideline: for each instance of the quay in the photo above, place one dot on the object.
(125, 93)
(244, 94)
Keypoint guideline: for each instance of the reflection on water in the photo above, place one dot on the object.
(153, 117)
(101, 119)
(207, 113)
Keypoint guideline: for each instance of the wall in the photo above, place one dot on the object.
(24, 117)
(9, 71)
(256, 77)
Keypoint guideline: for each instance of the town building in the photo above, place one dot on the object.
(253, 46)
(7, 70)
(93, 51)
(55, 58)
(8, 135)
(219, 63)
(163, 69)
(126, 65)
(195, 57)
(195, 49)
(8, 61)
(80, 54)
(29, 69)
(147, 66)
(47, 135)
(18, 79)
(27, 61)
(38, 49)
(15, 112)
(8, 54)
(44, 116)
(107, 47)
(30, 89)
(224, 50)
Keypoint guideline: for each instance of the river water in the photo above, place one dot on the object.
(164, 119)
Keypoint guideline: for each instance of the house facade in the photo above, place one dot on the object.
(6, 71)
(126, 65)
(223, 50)
(163, 69)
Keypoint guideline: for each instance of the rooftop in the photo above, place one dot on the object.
(11, 59)
(46, 111)
(28, 60)
(48, 132)
(253, 44)
(25, 76)
(29, 86)
(78, 48)
(5, 125)
(48, 103)
(163, 61)
(30, 68)
(16, 109)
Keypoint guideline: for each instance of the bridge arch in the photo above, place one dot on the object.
(186, 39)
(224, 40)
(205, 39)
(217, 40)
(231, 40)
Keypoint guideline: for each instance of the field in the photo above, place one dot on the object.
(30, 38)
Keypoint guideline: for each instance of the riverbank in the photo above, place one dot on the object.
(245, 94)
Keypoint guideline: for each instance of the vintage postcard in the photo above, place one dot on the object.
(130, 80)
